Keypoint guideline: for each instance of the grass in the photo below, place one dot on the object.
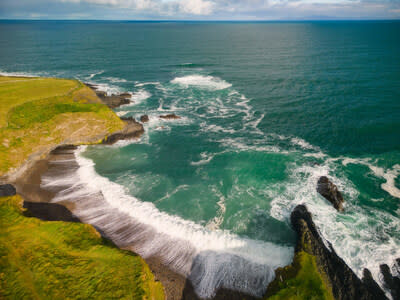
(37, 114)
(57, 260)
(299, 281)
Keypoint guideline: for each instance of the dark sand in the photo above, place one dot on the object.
(38, 203)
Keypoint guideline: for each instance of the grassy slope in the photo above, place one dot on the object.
(57, 260)
(299, 281)
(39, 113)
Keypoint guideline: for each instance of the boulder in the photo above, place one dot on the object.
(330, 192)
(170, 117)
(7, 190)
(144, 118)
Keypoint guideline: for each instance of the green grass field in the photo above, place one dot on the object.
(58, 260)
(299, 281)
(37, 114)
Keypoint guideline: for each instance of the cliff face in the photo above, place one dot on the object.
(344, 283)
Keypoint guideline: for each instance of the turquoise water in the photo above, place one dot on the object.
(266, 109)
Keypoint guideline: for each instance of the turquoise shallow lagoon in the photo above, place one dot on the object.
(266, 109)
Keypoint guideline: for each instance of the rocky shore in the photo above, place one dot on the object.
(344, 283)
(340, 279)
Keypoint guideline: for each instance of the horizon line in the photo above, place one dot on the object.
(203, 20)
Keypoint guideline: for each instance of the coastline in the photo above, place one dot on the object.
(37, 201)
(28, 178)
(28, 186)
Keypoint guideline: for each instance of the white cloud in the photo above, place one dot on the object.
(196, 7)
(203, 9)
(162, 7)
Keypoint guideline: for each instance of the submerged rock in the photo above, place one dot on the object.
(170, 117)
(344, 282)
(330, 192)
(7, 190)
(144, 118)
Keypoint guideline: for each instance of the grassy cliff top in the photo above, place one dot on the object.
(37, 114)
(57, 260)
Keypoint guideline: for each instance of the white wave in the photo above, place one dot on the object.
(256, 122)
(160, 107)
(201, 81)
(124, 143)
(303, 144)
(204, 127)
(141, 84)
(176, 190)
(115, 79)
(352, 233)
(108, 89)
(211, 259)
(217, 221)
(205, 159)
(316, 155)
(240, 145)
(95, 74)
(121, 113)
(388, 174)
(140, 95)
(20, 74)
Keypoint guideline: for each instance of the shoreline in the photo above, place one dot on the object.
(28, 179)
(37, 201)
(28, 186)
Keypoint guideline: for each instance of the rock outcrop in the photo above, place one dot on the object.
(49, 212)
(330, 192)
(344, 283)
(392, 283)
(144, 118)
(112, 101)
(7, 190)
(169, 117)
(133, 129)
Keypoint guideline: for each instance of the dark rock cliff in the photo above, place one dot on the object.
(345, 284)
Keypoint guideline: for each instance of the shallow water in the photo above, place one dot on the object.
(267, 108)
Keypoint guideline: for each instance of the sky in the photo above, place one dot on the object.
(200, 9)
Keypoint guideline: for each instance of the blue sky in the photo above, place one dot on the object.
(200, 9)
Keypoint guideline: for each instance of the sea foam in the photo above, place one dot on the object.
(206, 82)
(211, 259)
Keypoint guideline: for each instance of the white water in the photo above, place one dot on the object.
(210, 258)
(207, 82)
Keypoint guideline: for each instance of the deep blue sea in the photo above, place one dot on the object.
(267, 108)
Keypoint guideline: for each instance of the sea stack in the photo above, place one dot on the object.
(330, 192)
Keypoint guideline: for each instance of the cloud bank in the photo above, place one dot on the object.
(201, 9)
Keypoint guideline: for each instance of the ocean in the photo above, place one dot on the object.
(266, 109)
